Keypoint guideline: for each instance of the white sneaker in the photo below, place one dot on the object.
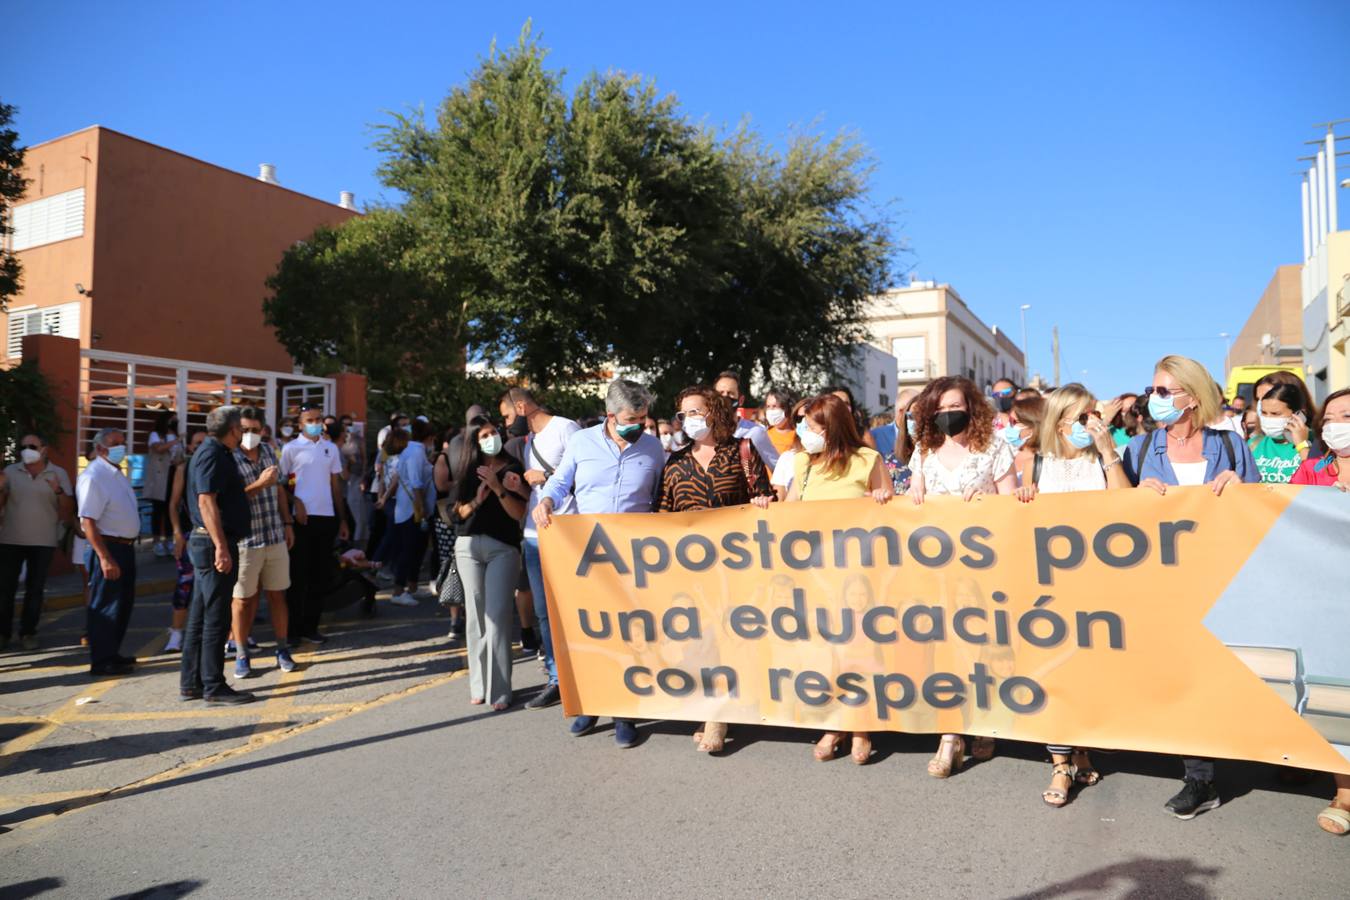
(175, 644)
(403, 599)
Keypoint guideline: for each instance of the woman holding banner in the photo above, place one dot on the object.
(1184, 451)
(834, 465)
(1332, 469)
(957, 453)
(1077, 453)
(714, 471)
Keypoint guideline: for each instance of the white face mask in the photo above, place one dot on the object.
(1274, 425)
(775, 416)
(666, 441)
(490, 445)
(695, 426)
(676, 437)
(1336, 435)
(287, 431)
(250, 441)
(30, 456)
(812, 442)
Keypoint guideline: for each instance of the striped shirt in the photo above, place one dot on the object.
(267, 527)
(687, 486)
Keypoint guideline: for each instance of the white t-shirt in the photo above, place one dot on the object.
(313, 463)
(783, 472)
(1190, 474)
(551, 444)
(105, 495)
(1067, 476)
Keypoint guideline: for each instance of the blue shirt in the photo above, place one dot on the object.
(759, 439)
(414, 474)
(602, 479)
(886, 436)
(1146, 457)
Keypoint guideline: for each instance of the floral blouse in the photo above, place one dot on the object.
(980, 470)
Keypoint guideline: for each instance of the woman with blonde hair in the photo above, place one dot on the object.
(1023, 432)
(1077, 453)
(1183, 450)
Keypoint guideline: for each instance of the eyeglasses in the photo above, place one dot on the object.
(1163, 392)
(680, 416)
(1005, 392)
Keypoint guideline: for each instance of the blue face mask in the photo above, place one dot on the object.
(910, 427)
(1163, 410)
(314, 429)
(1012, 434)
(117, 454)
(1080, 437)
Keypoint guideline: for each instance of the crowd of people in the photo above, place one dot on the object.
(245, 513)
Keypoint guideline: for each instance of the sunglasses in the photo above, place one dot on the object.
(1083, 418)
(1163, 392)
(1006, 392)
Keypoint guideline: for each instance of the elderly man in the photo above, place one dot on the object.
(35, 501)
(220, 517)
(728, 384)
(111, 523)
(614, 467)
(888, 436)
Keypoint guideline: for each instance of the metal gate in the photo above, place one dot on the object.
(130, 392)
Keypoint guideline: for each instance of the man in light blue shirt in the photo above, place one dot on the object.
(728, 384)
(614, 467)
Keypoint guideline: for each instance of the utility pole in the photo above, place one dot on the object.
(1054, 348)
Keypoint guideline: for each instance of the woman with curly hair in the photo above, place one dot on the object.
(713, 471)
(957, 453)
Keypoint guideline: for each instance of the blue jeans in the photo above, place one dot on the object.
(110, 603)
(536, 572)
(202, 665)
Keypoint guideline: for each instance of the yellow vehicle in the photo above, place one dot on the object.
(1242, 379)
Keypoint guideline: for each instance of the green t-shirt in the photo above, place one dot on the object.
(1276, 460)
(1120, 436)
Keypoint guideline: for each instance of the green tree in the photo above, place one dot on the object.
(12, 187)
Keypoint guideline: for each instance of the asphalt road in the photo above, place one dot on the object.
(423, 795)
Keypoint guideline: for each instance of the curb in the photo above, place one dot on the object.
(57, 602)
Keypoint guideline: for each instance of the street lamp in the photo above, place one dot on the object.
(1026, 364)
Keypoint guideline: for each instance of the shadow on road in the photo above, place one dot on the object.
(1176, 879)
(25, 889)
(163, 891)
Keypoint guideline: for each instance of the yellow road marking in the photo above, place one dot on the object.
(258, 742)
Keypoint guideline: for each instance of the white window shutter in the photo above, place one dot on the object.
(55, 218)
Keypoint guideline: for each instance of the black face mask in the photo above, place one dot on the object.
(1004, 404)
(952, 422)
(519, 428)
(334, 430)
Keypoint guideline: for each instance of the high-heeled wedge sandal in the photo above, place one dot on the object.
(1334, 819)
(1053, 796)
(982, 749)
(712, 738)
(827, 746)
(861, 750)
(951, 756)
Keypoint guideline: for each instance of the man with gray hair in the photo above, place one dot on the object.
(614, 467)
(111, 522)
(220, 517)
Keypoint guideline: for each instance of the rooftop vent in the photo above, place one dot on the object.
(268, 173)
(347, 200)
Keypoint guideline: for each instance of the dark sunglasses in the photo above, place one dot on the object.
(1092, 414)
(1162, 392)
(1005, 392)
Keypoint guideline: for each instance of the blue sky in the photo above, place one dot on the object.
(1127, 170)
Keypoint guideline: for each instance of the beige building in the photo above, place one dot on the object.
(931, 331)
(1273, 335)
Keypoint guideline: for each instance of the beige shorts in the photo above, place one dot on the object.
(268, 566)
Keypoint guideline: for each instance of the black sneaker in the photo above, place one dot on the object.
(190, 694)
(112, 668)
(1194, 798)
(545, 698)
(230, 696)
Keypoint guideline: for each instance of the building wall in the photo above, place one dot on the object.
(953, 339)
(1279, 314)
(175, 250)
(51, 271)
(183, 251)
(1325, 363)
(871, 375)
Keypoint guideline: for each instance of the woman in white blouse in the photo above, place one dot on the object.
(957, 453)
(1077, 453)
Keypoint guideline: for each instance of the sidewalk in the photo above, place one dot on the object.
(154, 575)
(66, 738)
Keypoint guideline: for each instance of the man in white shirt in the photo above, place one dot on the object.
(311, 467)
(111, 523)
(544, 448)
(728, 384)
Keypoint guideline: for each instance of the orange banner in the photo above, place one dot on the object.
(1077, 619)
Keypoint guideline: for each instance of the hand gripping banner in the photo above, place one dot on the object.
(1185, 623)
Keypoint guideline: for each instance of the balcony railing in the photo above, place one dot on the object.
(915, 369)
